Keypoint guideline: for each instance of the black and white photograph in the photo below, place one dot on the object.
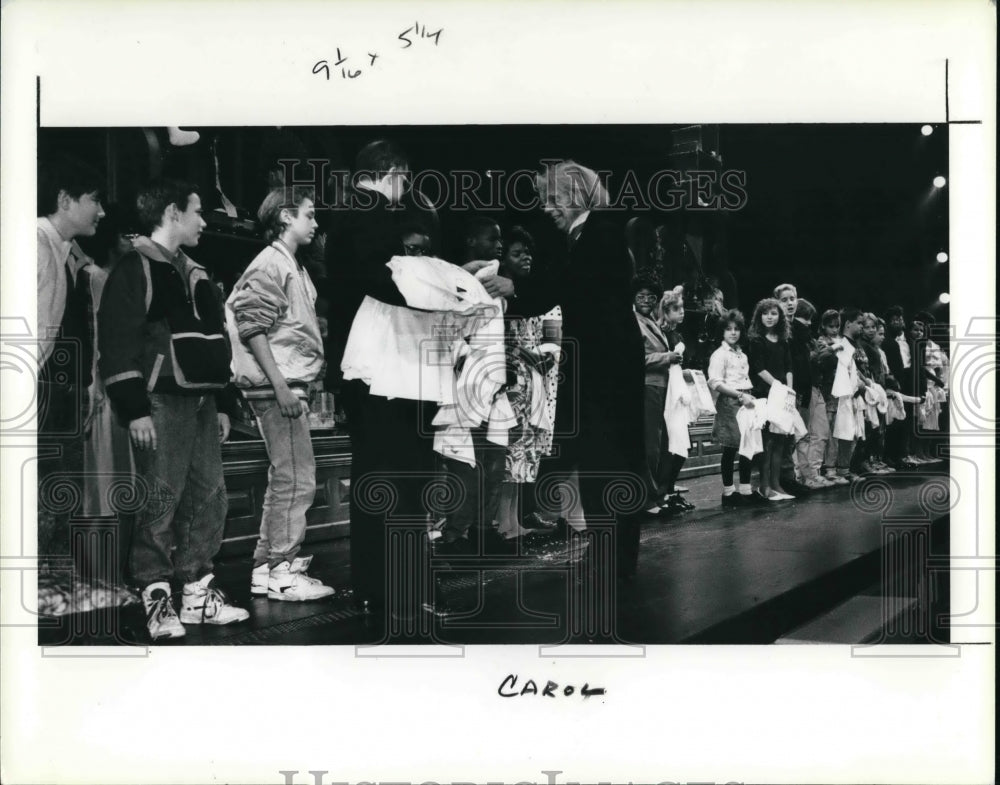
(513, 384)
(449, 388)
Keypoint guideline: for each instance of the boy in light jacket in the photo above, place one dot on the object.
(277, 352)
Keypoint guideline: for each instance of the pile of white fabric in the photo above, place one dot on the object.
(450, 351)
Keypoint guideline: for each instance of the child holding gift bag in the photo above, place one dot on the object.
(729, 380)
(770, 364)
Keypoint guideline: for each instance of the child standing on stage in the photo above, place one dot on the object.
(277, 352)
(729, 379)
(672, 315)
(770, 364)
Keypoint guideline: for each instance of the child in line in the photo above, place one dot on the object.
(770, 364)
(729, 380)
(824, 361)
(836, 356)
(672, 315)
(881, 378)
(808, 451)
(277, 352)
(869, 461)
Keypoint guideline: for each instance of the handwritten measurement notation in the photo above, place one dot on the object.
(415, 33)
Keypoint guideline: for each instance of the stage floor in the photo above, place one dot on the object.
(713, 575)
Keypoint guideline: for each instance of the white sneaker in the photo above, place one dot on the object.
(258, 579)
(290, 583)
(203, 603)
(161, 618)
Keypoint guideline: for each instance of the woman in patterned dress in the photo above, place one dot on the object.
(532, 380)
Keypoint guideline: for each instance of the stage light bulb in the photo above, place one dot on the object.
(944, 298)
(927, 130)
(942, 257)
(939, 182)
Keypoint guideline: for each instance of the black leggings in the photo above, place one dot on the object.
(728, 456)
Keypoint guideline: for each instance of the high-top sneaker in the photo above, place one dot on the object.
(204, 603)
(161, 618)
(258, 579)
(289, 582)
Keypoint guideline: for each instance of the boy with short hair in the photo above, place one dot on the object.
(69, 206)
(825, 360)
(277, 352)
(795, 472)
(164, 360)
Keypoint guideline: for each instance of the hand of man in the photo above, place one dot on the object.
(475, 266)
(142, 433)
(223, 427)
(289, 404)
(673, 357)
(498, 286)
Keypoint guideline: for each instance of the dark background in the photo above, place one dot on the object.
(845, 212)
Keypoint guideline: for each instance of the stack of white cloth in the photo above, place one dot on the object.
(876, 401)
(451, 351)
(677, 409)
(849, 422)
(751, 422)
(782, 414)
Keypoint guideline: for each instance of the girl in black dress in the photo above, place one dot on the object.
(770, 363)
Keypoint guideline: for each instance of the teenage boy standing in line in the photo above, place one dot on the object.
(800, 346)
(69, 206)
(164, 359)
(277, 352)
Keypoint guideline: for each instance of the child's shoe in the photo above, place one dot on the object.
(289, 582)
(258, 579)
(161, 618)
(203, 603)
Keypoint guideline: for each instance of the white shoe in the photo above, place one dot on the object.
(203, 603)
(161, 618)
(290, 583)
(258, 579)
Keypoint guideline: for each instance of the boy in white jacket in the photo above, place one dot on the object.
(277, 352)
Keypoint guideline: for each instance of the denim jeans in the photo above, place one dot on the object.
(291, 483)
(838, 451)
(179, 530)
(810, 450)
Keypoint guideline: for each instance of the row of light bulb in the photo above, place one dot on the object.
(939, 182)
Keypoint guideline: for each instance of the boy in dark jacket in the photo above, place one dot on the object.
(164, 359)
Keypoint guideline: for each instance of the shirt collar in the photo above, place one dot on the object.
(177, 258)
(60, 245)
(734, 349)
(579, 221)
(286, 252)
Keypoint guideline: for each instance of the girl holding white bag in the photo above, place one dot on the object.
(770, 365)
(729, 379)
(676, 413)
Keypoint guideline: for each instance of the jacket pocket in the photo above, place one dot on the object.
(199, 354)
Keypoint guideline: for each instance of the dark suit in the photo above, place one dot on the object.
(389, 437)
(599, 419)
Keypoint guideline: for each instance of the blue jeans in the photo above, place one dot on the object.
(179, 530)
(291, 483)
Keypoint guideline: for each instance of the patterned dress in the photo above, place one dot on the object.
(528, 443)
